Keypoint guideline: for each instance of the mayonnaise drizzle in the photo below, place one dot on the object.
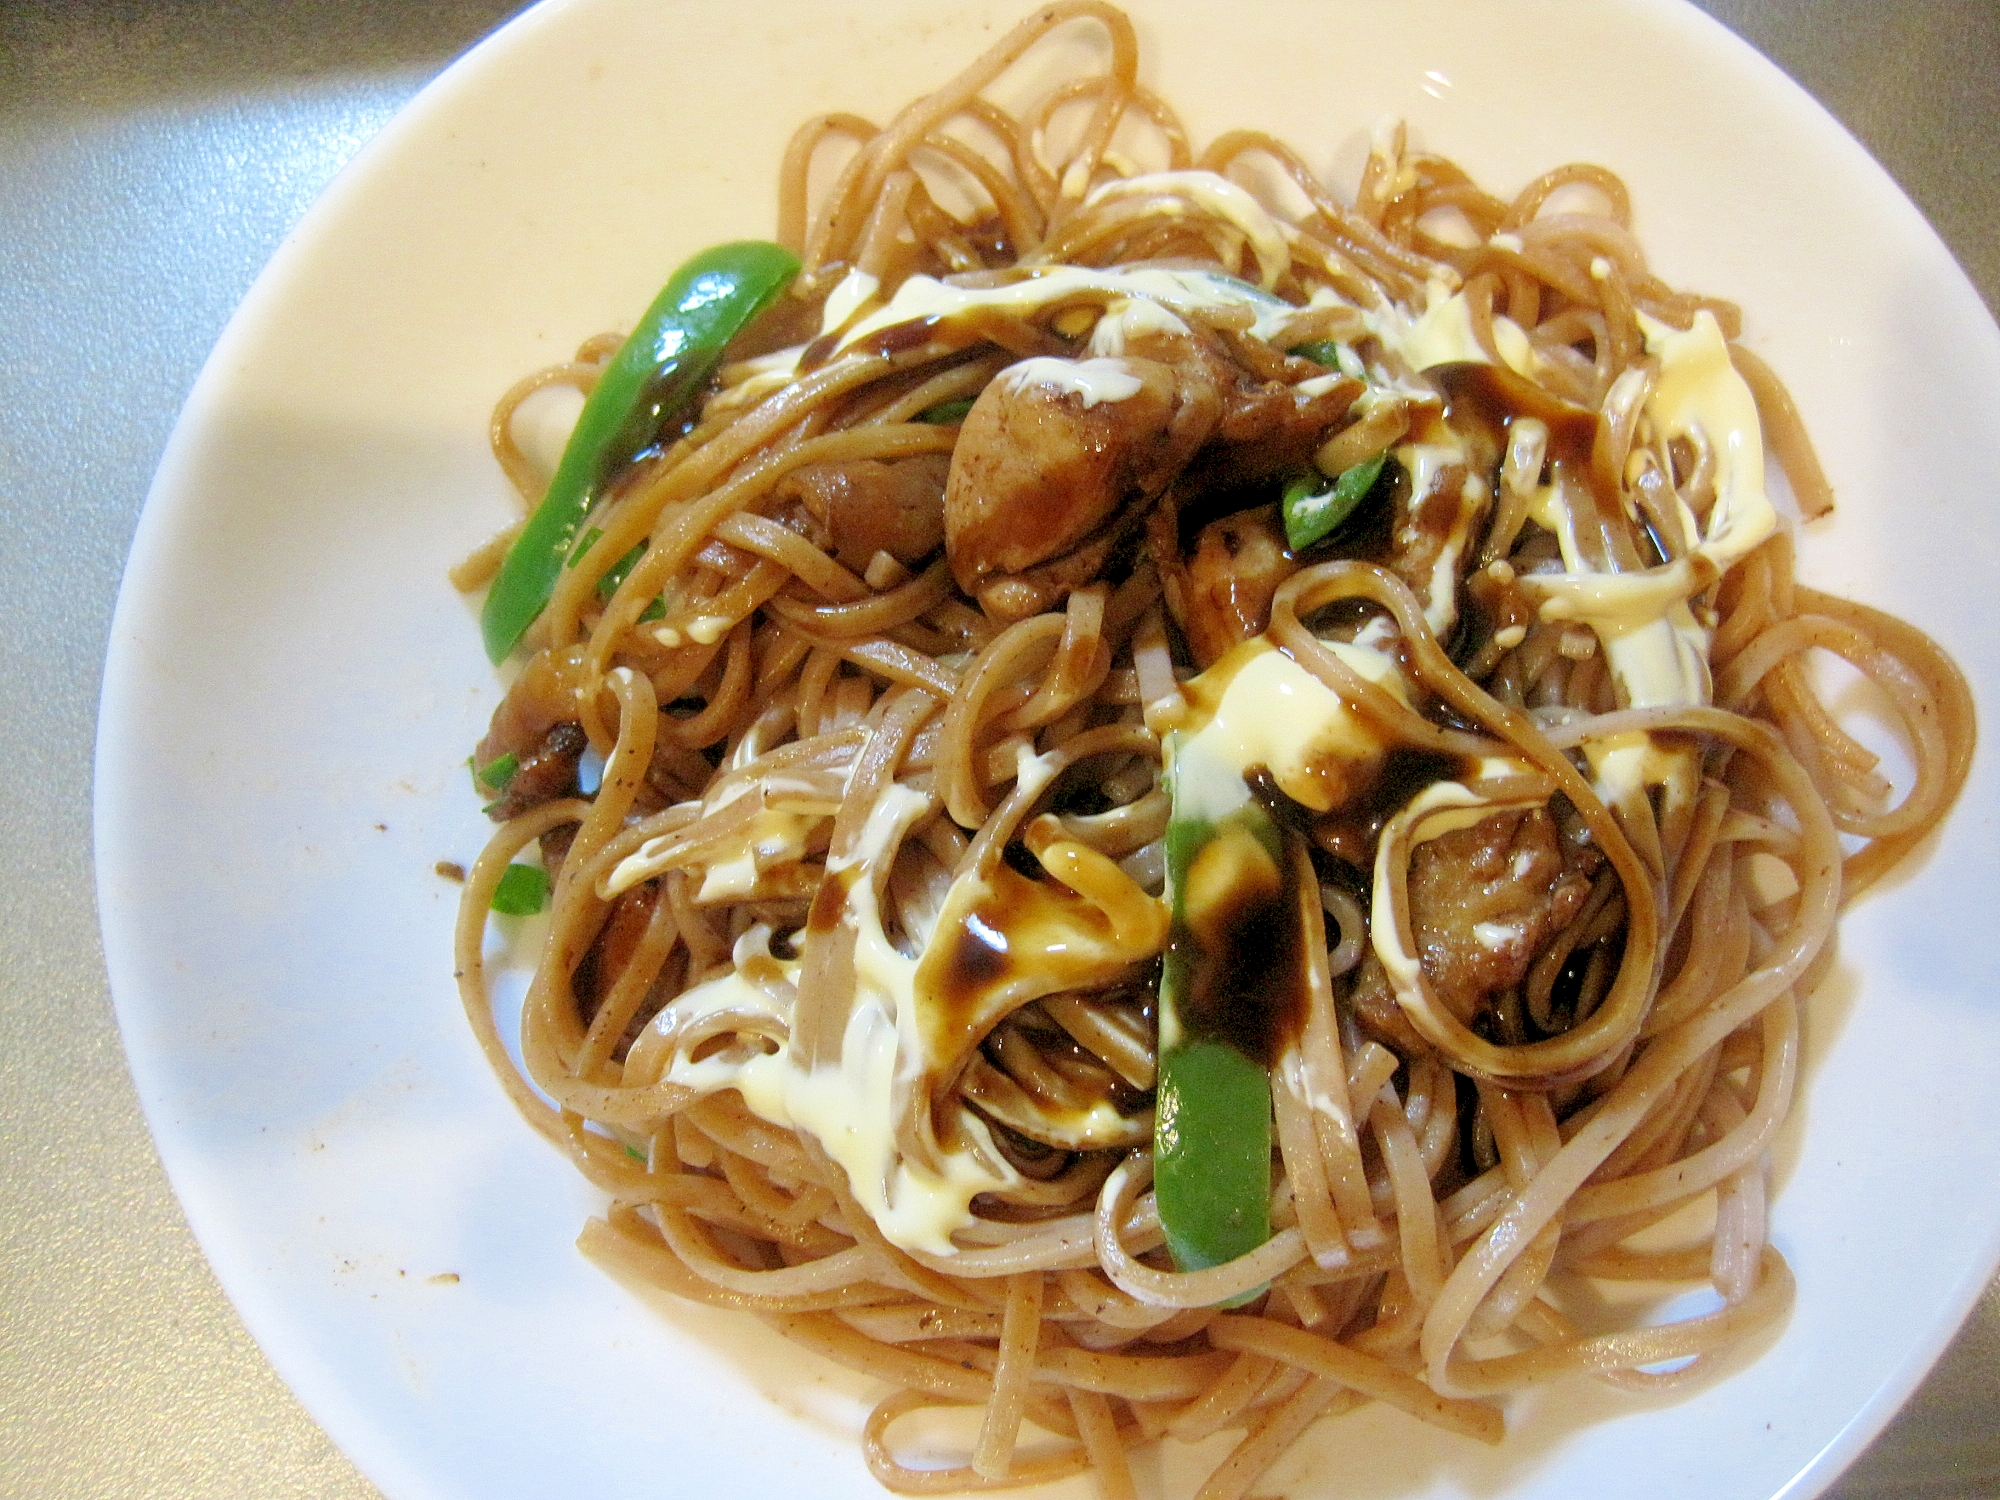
(1132, 317)
(1094, 380)
(1657, 650)
(854, 292)
(1442, 333)
(1184, 293)
(850, 1107)
(1213, 194)
(1258, 707)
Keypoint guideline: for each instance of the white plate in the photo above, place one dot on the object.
(292, 689)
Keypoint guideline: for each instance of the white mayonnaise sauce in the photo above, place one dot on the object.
(850, 1107)
(855, 291)
(1258, 707)
(1442, 333)
(1178, 291)
(1094, 380)
(1657, 650)
(1699, 391)
(1127, 318)
(771, 838)
(775, 834)
(1212, 194)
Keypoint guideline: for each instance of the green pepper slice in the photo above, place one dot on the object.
(1312, 513)
(1212, 1118)
(495, 774)
(946, 413)
(656, 372)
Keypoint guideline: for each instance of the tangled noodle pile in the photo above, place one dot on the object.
(985, 568)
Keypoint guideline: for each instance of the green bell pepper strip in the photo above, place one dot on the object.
(656, 372)
(1212, 1116)
(1312, 513)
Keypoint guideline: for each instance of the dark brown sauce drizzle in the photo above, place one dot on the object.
(978, 959)
(1258, 1005)
(1481, 400)
(985, 952)
(897, 338)
(1249, 991)
(830, 900)
(1350, 831)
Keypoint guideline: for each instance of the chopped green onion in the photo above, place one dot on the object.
(496, 773)
(635, 1154)
(1312, 513)
(522, 892)
(946, 413)
(1320, 352)
(619, 571)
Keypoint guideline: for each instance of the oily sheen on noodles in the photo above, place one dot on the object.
(1167, 802)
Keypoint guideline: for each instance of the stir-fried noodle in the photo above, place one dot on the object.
(850, 995)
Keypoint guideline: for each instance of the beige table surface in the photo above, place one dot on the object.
(152, 154)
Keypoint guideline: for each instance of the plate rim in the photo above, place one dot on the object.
(170, 495)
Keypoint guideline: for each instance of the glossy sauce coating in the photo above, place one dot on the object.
(1350, 830)
(1238, 947)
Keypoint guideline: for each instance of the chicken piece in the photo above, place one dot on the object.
(1055, 464)
(1265, 426)
(546, 772)
(867, 506)
(1060, 459)
(1431, 539)
(1226, 588)
(536, 723)
(1272, 415)
(543, 696)
(1484, 901)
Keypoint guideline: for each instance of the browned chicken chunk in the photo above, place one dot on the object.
(1055, 464)
(536, 723)
(1271, 412)
(866, 506)
(1484, 901)
(546, 772)
(1226, 588)
(1426, 526)
(613, 950)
